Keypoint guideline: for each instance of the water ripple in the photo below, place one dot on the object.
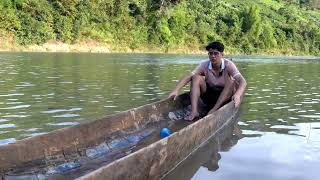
(110, 106)
(25, 84)
(16, 116)
(17, 107)
(136, 92)
(66, 82)
(3, 126)
(310, 102)
(3, 120)
(33, 73)
(259, 102)
(284, 127)
(7, 141)
(14, 103)
(310, 116)
(32, 130)
(61, 110)
(34, 134)
(293, 118)
(283, 107)
(266, 90)
(63, 124)
(9, 95)
(66, 115)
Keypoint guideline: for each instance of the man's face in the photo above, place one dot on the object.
(214, 55)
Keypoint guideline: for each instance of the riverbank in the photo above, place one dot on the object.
(94, 47)
(90, 46)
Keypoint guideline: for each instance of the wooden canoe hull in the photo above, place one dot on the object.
(75, 139)
(38, 157)
(157, 159)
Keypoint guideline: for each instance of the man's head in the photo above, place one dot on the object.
(215, 52)
(216, 45)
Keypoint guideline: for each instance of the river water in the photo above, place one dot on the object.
(280, 113)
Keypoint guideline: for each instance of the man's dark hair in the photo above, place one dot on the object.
(215, 45)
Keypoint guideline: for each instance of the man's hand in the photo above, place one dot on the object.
(237, 100)
(213, 110)
(173, 94)
(186, 79)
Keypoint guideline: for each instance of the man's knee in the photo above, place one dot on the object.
(198, 80)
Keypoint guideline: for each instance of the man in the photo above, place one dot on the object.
(222, 82)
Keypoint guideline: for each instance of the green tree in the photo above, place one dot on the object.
(268, 38)
(9, 20)
(36, 21)
(252, 24)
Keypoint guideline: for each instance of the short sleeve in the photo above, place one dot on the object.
(200, 69)
(232, 69)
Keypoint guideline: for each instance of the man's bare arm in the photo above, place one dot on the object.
(241, 86)
(185, 80)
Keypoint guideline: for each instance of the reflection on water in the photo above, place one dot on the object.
(41, 92)
(271, 156)
(205, 157)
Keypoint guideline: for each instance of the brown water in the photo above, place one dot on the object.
(280, 115)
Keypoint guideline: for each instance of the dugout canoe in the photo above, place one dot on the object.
(125, 145)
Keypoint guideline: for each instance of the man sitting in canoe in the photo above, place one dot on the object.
(222, 81)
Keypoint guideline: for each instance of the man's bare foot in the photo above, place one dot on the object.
(192, 116)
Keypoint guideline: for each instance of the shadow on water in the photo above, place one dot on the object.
(207, 156)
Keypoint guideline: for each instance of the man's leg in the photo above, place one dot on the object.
(225, 95)
(198, 86)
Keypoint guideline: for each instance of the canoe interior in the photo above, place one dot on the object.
(157, 159)
(90, 145)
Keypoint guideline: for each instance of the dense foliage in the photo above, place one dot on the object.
(266, 26)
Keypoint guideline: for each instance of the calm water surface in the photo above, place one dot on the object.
(280, 114)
